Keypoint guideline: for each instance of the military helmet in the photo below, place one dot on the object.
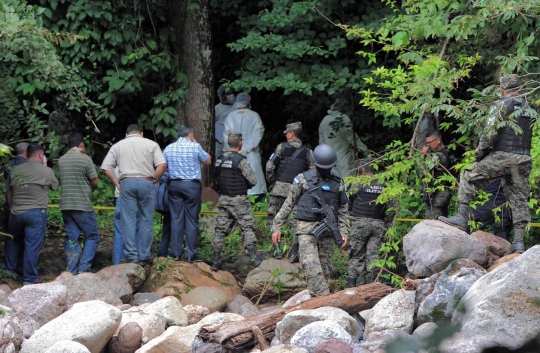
(325, 156)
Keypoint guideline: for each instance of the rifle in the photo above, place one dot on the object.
(329, 221)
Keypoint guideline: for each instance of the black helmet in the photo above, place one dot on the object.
(325, 156)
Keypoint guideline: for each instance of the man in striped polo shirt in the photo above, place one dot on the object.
(78, 176)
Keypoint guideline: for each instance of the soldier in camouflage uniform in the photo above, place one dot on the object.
(315, 254)
(369, 224)
(289, 159)
(439, 161)
(504, 154)
(235, 177)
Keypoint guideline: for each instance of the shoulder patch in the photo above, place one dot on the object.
(296, 180)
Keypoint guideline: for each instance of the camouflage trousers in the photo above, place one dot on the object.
(316, 258)
(367, 235)
(274, 205)
(231, 209)
(436, 204)
(513, 170)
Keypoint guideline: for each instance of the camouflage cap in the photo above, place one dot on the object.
(293, 126)
(234, 135)
(510, 81)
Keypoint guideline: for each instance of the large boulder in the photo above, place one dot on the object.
(502, 306)
(291, 277)
(11, 333)
(123, 279)
(5, 291)
(295, 320)
(42, 302)
(178, 278)
(431, 246)
(85, 287)
(209, 297)
(242, 306)
(496, 246)
(90, 323)
(175, 339)
(439, 294)
(28, 324)
(379, 339)
(171, 310)
(310, 336)
(195, 313)
(67, 347)
(393, 312)
(152, 324)
(128, 340)
(465, 342)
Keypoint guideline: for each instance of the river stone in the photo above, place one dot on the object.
(11, 333)
(85, 287)
(379, 339)
(432, 245)
(175, 339)
(43, 302)
(218, 318)
(171, 309)
(195, 313)
(291, 276)
(465, 342)
(5, 291)
(503, 260)
(313, 334)
(209, 297)
(295, 320)
(201, 347)
(136, 275)
(249, 310)
(91, 323)
(296, 299)
(496, 247)
(179, 278)
(67, 347)
(128, 340)
(502, 306)
(333, 346)
(393, 312)
(144, 298)
(152, 324)
(425, 330)
(446, 290)
(28, 324)
(236, 304)
(286, 348)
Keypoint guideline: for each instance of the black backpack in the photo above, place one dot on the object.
(162, 194)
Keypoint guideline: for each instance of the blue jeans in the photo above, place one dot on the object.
(163, 249)
(185, 205)
(31, 225)
(138, 199)
(118, 247)
(75, 223)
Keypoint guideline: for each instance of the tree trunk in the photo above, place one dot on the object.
(193, 46)
(238, 334)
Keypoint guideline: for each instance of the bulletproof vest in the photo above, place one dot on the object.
(364, 204)
(330, 193)
(231, 182)
(507, 139)
(443, 168)
(288, 169)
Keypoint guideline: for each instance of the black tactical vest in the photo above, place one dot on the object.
(330, 193)
(364, 204)
(231, 182)
(507, 139)
(288, 169)
(443, 168)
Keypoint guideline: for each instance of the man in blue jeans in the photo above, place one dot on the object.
(78, 176)
(140, 163)
(28, 196)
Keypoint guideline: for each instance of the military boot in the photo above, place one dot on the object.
(293, 255)
(352, 282)
(216, 265)
(253, 256)
(518, 246)
(460, 220)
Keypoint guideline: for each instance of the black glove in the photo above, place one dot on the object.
(481, 154)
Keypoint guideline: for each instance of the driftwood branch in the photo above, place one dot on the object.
(238, 334)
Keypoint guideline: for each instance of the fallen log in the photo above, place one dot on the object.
(237, 334)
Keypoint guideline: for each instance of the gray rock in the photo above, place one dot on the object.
(66, 346)
(496, 246)
(269, 309)
(291, 275)
(465, 342)
(91, 323)
(379, 340)
(393, 312)
(195, 313)
(176, 339)
(5, 291)
(446, 290)
(85, 287)
(209, 297)
(28, 324)
(128, 340)
(249, 310)
(152, 324)
(295, 320)
(218, 318)
(43, 302)
(311, 335)
(357, 348)
(297, 299)
(236, 304)
(502, 306)
(425, 330)
(208, 348)
(11, 333)
(333, 346)
(431, 246)
(135, 274)
(365, 314)
(171, 309)
(144, 298)
(286, 348)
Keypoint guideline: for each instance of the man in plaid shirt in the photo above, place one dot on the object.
(184, 158)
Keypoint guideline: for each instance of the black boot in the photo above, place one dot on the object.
(460, 220)
(352, 282)
(216, 265)
(293, 255)
(253, 256)
(518, 245)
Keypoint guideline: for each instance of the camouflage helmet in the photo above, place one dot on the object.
(510, 81)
